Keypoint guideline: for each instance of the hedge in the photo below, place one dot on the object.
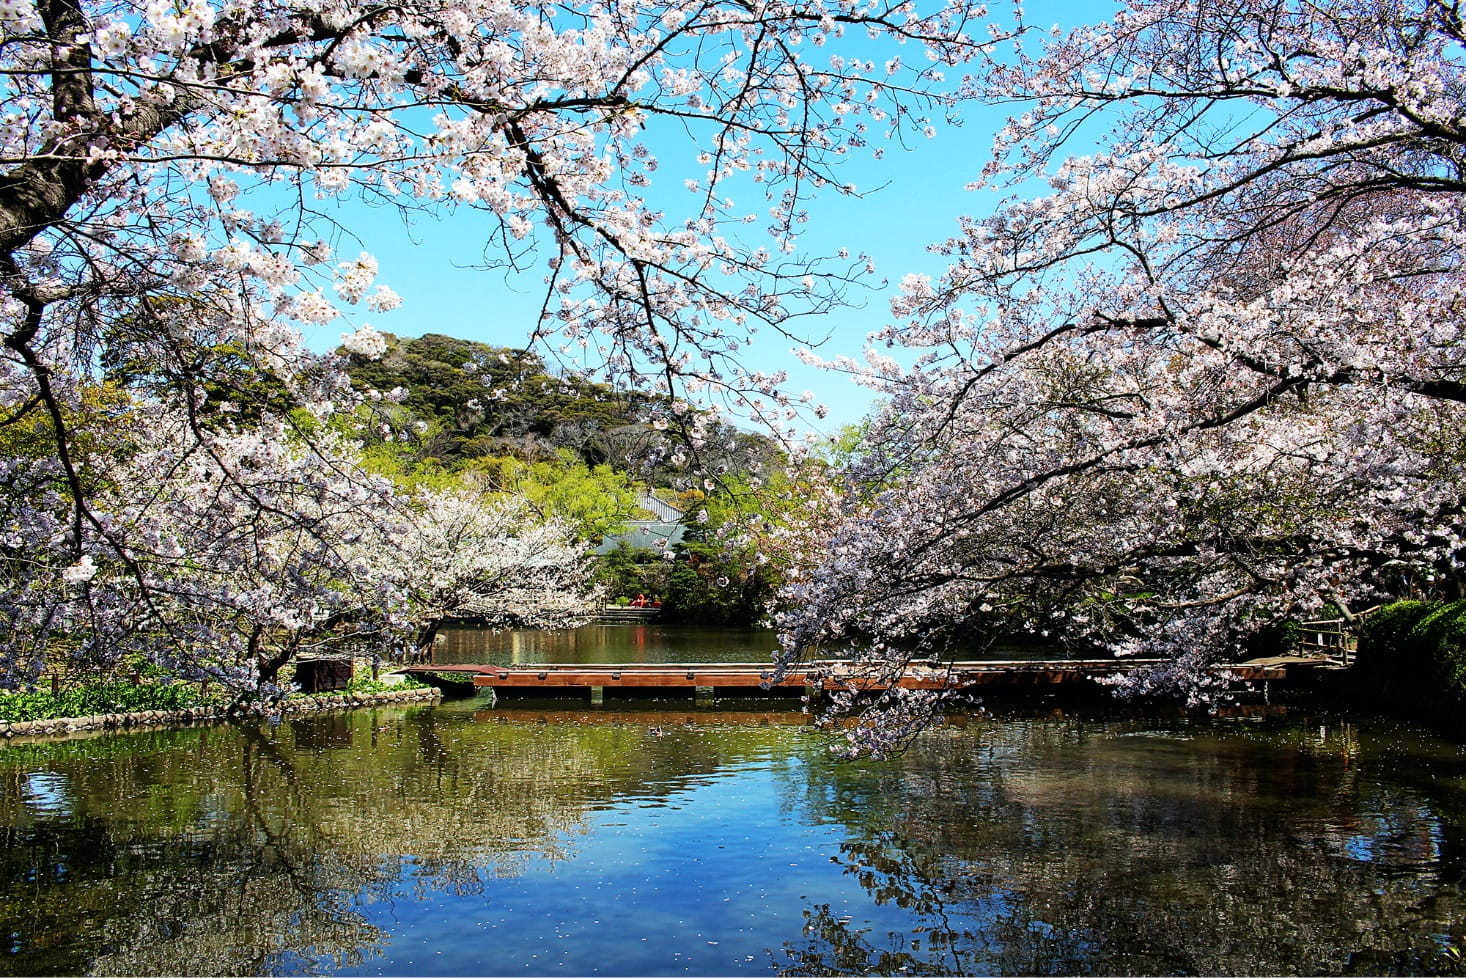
(1422, 643)
(1442, 635)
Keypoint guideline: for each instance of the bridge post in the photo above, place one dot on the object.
(597, 695)
(703, 695)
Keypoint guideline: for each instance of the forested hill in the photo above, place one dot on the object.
(488, 400)
(457, 400)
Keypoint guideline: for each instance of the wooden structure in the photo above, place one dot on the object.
(737, 678)
(322, 675)
(626, 614)
(1332, 638)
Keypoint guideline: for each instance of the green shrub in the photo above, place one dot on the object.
(1421, 644)
(362, 685)
(1441, 635)
(97, 699)
(1385, 645)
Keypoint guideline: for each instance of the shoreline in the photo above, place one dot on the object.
(108, 722)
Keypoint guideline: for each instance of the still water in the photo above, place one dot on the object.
(597, 644)
(551, 839)
(649, 643)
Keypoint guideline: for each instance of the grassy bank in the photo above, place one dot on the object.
(126, 697)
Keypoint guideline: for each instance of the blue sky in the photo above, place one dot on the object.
(428, 264)
(922, 193)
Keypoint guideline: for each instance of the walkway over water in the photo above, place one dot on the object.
(741, 678)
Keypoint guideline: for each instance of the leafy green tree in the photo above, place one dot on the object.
(486, 400)
(594, 501)
(625, 570)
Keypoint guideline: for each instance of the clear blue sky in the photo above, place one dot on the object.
(923, 193)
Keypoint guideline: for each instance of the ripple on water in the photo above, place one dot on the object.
(47, 794)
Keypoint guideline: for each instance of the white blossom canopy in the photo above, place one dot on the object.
(1210, 377)
(168, 176)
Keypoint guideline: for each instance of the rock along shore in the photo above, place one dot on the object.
(204, 714)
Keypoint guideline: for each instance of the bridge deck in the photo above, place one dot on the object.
(613, 614)
(753, 678)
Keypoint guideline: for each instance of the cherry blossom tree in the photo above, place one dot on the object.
(217, 558)
(1209, 377)
(225, 558)
(464, 553)
(170, 182)
(194, 151)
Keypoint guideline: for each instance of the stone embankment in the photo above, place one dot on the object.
(202, 714)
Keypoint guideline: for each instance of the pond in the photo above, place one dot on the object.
(648, 643)
(598, 644)
(561, 838)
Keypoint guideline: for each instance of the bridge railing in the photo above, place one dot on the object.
(1333, 638)
(611, 612)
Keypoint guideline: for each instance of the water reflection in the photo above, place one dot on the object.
(265, 850)
(566, 838)
(180, 855)
(601, 644)
(1070, 847)
(647, 643)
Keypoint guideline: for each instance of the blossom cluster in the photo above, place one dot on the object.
(1208, 382)
(254, 544)
(167, 226)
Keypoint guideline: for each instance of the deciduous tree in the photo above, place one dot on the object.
(1210, 376)
(463, 553)
(169, 175)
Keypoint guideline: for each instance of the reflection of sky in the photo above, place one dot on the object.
(47, 794)
(1396, 837)
(1013, 846)
(697, 881)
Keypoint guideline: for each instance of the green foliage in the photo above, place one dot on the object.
(1384, 640)
(461, 400)
(702, 583)
(366, 685)
(1442, 636)
(98, 698)
(478, 400)
(595, 500)
(121, 696)
(626, 571)
(711, 587)
(225, 382)
(1420, 642)
(91, 426)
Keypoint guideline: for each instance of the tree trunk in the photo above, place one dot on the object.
(426, 638)
(268, 666)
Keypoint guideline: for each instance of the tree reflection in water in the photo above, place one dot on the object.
(271, 849)
(1067, 847)
(1061, 844)
(115, 892)
(249, 850)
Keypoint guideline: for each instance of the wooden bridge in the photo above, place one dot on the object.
(618, 613)
(715, 679)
